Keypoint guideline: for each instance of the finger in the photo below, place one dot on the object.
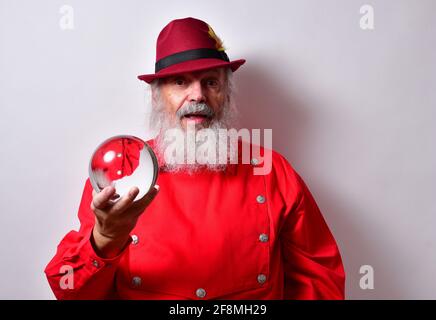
(152, 193)
(126, 201)
(146, 200)
(100, 200)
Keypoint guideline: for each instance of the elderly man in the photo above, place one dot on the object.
(211, 230)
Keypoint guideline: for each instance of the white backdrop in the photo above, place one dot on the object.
(351, 109)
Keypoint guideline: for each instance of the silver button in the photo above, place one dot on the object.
(136, 281)
(135, 239)
(261, 278)
(95, 263)
(201, 293)
(254, 161)
(260, 199)
(263, 237)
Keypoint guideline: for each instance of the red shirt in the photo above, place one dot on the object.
(211, 235)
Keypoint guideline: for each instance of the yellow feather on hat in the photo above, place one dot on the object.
(218, 42)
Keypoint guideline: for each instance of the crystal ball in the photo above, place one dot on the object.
(123, 162)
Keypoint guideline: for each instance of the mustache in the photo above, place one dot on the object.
(195, 108)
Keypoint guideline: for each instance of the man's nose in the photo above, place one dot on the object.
(196, 93)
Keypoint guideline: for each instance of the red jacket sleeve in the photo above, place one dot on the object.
(313, 264)
(76, 271)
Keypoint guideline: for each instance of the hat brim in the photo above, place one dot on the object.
(191, 66)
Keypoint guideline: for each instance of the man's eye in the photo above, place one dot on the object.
(179, 82)
(212, 83)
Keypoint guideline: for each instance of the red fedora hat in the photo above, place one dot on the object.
(187, 45)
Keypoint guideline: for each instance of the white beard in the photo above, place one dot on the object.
(212, 152)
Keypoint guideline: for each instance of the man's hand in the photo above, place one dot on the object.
(115, 221)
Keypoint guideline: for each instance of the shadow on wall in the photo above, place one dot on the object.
(357, 247)
(264, 103)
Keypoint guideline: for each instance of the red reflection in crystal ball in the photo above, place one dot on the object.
(117, 158)
(123, 162)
